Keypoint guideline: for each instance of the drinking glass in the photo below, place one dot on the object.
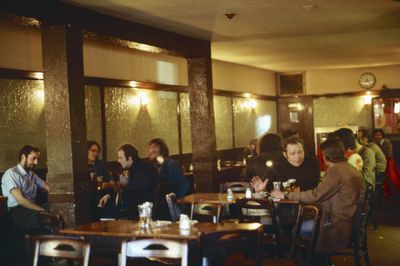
(277, 185)
(99, 180)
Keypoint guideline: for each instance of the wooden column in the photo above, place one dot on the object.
(65, 122)
(204, 151)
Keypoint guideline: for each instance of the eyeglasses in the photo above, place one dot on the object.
(94, 150)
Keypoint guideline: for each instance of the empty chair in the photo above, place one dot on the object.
(160, 211)
(358, 233)
(214, 246)
(203, 212)
(154, 248)
(61, 248)
(263, 211)
(234, 186)
(173, 207)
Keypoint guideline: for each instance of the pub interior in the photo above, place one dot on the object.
(207, 101)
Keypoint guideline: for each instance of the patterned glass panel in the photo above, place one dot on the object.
(184, 106)
(22, 120)
(93, 113)
(136, 115)
(252, 119)
(223, 122)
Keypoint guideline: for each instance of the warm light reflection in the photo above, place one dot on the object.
(38, 75)
(367, 98)
(140, 99)
(40, 94)
(250, 104)
(396, 108)
(263, 125)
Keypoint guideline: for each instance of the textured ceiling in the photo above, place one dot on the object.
(280, 35)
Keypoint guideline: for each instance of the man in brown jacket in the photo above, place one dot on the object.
(338, 194)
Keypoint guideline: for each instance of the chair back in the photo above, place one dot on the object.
(215, 244)
(206, 212)
(160, 211)
(238, 186)
(51, 222)
(360, 220)
(156, 248)
(61, 248)
(305, 243)
(173, 206)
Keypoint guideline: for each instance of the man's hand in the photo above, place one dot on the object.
(19, 196)
(276, 194)
(103, 200)
(258, 184)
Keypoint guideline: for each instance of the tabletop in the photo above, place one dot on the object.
(127, 228)
(220, 198)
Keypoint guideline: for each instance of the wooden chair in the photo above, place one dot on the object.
(51, 222)
(61, 248)
(358, 233)
(238, 186)
(173, 207)
(160, 211)
(206, 212)
(253, 210)
(154, 248)
(214, 246)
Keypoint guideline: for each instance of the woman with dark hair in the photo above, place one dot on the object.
(96, 166)
(168, 169)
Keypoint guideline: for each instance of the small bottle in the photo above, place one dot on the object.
(184, 222)
(191, 167)
(244, 161)
(219, 165)
(248, 193)
(229, 194)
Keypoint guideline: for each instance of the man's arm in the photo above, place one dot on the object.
(16, 192)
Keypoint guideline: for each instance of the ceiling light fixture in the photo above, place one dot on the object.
(230, 15)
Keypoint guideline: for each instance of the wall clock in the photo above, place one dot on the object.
(367, 80)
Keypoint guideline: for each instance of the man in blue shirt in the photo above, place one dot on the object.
(20, 184)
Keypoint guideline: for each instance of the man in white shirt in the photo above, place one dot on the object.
(20, 184)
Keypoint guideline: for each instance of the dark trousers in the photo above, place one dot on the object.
(26, 220)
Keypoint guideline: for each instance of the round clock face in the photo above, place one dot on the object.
(367, 80)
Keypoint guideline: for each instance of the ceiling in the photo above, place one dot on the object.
(278, 35)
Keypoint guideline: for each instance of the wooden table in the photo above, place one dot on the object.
(130, 229)
(220, 198)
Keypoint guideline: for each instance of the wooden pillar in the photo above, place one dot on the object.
(65, 122)
(204, 151)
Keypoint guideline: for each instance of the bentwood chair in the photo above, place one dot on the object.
(216, 247)
(262, 211)
(358, 233)
(173, 206)
(238, 186)
(154, 248)
(203, 212)
(160, 210)
(61, 248)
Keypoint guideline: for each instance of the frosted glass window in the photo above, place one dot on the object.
(253, 118)
(93, 114)
(136, 116)
(22, 120)
(354, 113)
(184, 107)
(223, 122)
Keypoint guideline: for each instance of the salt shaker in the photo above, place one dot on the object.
(229, 194)
(248, 193)
(184, 222)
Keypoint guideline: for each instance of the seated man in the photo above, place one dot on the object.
(168, 169)
(338, 194)
(20, 185)
(294, 165)
(140, 186)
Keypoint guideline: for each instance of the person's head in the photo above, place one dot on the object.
(29, 157)
(346, 136)
(333, 151)
(269, 142)
(363, 136)
(253, 144)
(94, 150)
(378, 134)
(293, 150)
(126, 155)
(157, 147)
(289, 133)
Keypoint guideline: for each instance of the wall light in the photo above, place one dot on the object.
(140, 99)
(367, 98)
(396, 108)
(250, 104)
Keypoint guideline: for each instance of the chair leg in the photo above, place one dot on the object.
(356, 255)
(364, 251)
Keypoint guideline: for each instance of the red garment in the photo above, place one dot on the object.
(322, 164)
(393, 174)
